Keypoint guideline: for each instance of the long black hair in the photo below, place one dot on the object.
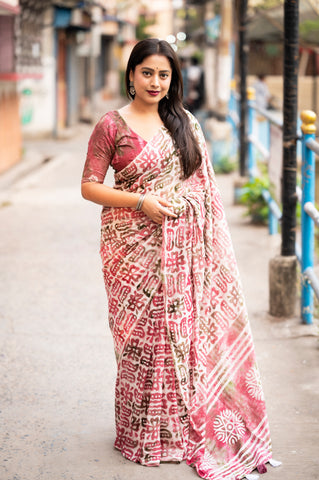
(170, 109)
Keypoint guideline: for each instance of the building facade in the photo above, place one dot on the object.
(58, 58)
(10, 131)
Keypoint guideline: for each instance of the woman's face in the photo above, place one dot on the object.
(151, 79)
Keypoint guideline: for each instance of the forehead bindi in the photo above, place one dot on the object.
(158, 63)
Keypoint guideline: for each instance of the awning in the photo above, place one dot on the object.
(267, 25)
(9, 8)
(71, 18)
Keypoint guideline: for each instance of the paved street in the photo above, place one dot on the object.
(57, 362)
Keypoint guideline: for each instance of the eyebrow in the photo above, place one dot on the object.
(152, 70)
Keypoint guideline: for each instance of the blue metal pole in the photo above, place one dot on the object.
(307, 224)
(272, 223)
(251, 119)
(56, 93)
(274, 213)
(232, 101)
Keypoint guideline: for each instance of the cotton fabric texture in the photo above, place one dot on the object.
(188, 387)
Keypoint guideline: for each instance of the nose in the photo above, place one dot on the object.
(155, 80)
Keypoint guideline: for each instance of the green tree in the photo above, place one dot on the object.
(143, 23)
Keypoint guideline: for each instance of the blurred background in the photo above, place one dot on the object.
(61, 67)
(60, 59)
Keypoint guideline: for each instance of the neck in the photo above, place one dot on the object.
(142, 109)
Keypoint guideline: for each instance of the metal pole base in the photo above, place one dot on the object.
(282, 286)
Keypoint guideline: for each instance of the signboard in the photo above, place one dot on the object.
(212, 28)
(9, 3)
(9, 7)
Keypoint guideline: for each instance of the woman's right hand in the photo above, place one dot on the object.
(156, 208)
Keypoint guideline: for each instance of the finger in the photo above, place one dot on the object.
(159, 218)
(164, 202)
(168, 213)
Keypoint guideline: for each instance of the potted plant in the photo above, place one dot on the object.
(252, 197)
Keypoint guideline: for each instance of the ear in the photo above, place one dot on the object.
(131, 76)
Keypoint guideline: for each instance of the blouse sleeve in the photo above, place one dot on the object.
(100, 151)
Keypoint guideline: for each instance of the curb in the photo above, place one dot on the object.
(31, 162)
(33, 159)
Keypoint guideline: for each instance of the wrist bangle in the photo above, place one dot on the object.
(140, 201)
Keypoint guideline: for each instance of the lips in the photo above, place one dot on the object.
(154, 93)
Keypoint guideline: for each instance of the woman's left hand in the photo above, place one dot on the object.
(156, 208)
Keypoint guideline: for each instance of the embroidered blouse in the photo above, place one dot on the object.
(112, 143)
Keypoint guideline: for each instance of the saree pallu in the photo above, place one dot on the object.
(188, 387)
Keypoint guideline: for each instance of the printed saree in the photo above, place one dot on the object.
(187, 387)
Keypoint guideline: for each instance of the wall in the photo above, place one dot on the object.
(6, 44)
(305, 90)
(10, 132)
(163, 11)
(42, 98)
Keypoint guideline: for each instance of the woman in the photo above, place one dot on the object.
(187, 385)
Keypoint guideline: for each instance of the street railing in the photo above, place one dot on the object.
(305, 195)
(309, 215)
(274, 215)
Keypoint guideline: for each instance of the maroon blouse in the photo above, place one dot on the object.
(112, 143)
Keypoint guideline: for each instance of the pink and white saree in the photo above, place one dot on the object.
(187, 387)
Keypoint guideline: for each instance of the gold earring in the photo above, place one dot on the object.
(132, 90)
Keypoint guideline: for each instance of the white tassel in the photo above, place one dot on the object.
(251, 476)
(274, 463)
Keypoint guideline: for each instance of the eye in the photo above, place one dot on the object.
(164, 75)
(147, 74)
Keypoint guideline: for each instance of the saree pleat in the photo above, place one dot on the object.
(146, 397)
(188, 387)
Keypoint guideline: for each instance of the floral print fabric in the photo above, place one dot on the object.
(188, 386)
